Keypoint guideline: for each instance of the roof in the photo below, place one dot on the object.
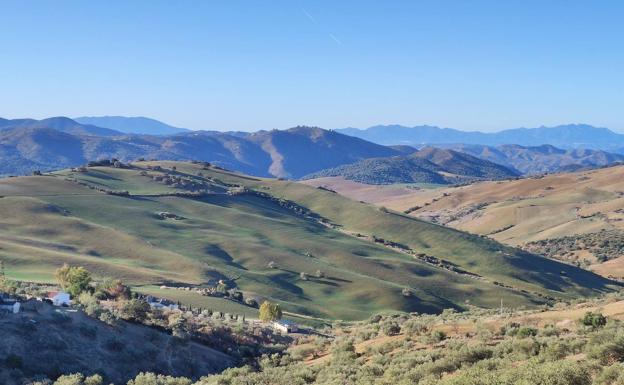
(52, 294)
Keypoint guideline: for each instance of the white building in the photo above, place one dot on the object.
(285, 326)
(59, 298)
(9, 305)
(161, 303)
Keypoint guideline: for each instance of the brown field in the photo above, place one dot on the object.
(513, 212)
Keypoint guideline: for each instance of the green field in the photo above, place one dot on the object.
(48, 220)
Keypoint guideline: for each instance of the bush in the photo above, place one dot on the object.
(526, 331)
(391, 328)
(594, 320)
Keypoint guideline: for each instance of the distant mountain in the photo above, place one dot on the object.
(540, 159)
(564, 136)
(60, 123)
(302, 150)
(429, 165)
(132, 125)
(27, 145)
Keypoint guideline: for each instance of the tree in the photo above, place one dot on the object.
(270, 311)
(136, 310)
(73, 279)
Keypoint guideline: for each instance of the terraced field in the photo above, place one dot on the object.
(143, 225)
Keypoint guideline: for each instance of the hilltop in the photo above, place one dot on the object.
(132, 125)
(429, 165)
(313, 251)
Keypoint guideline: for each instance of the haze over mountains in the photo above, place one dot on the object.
(563, 136)
(132, 125)
(59, 142)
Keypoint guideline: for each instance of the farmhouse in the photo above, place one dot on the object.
(9, 305)
(161, 303)
(285, 326)
(59, 298)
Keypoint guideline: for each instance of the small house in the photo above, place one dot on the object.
(285, 326)
(59, 298)
(161, 303)
(9, 305)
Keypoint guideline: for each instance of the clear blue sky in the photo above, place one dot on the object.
(247, 65)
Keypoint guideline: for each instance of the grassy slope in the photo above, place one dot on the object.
(45, 221)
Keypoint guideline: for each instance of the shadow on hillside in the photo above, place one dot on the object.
(557, 276)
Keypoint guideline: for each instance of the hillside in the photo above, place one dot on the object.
(49, 341)
(367, 257)
(540, 159)
(429, 165)
(577, 217)
(563, 136)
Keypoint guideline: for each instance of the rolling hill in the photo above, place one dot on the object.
(429, 165)
(577, 217)
(563, 136)
(223, 225)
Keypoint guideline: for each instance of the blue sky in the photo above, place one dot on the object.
(247, 65)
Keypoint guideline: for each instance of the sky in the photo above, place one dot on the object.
(249, 65)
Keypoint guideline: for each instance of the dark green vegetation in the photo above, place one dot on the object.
(189, 224)
(429, 165)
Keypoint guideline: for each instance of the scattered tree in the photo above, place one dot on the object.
(270, 311)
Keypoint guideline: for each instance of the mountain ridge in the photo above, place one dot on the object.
(564, 136)
(429, 165)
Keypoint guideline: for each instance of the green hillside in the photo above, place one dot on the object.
(169, 227)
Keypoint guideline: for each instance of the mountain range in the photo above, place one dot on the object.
(132, 125)
(563, 136)
(59, 142)
(539, 159)
(429, 165)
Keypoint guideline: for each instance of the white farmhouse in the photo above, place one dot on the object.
(59, 298)
(285, 326)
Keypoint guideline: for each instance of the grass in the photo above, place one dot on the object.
(46, 221)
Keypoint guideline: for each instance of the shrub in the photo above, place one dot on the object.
(136, 310)
(391, 328)
(526, 331)
(594, 320)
